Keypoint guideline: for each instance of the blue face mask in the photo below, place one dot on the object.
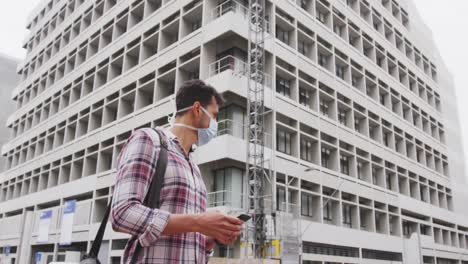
(204, 134)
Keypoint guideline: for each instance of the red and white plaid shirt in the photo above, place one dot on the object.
(183, 192)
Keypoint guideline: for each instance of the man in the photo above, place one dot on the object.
(180, 231)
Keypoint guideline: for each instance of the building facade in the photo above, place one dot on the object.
(363, 138)
(8, 81)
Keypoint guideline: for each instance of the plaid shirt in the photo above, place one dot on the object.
(183, 192)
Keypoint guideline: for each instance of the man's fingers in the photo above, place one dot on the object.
(232, 227)
(234, 220)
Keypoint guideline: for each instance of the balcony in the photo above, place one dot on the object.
(229, 6)
(227, 199)
(236, 66)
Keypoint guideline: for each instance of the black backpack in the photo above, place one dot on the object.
(151, 201)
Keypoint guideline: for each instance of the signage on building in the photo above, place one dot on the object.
(37, 257)
(44, 225)
(66, 228)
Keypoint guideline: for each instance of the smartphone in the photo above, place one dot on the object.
(244, 217)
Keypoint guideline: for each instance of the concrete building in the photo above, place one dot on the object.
(8, 81)
(364, 139)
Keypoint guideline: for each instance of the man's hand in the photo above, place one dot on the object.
(225, 229)
(210, 243)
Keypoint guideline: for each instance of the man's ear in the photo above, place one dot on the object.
(196, 108)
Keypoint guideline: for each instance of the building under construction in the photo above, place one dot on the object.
(340, 135)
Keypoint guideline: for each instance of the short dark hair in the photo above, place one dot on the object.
(196, 90)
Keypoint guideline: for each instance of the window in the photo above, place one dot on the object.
(325, 157)
(321, 16)
(386, 140)
(380, 61)
(342, 117)
(354, 81)
(406, 229)
(381, 255)
(374, 176)
(339, 70)
(282, 35)
(382, 99)
(304, 4)
(338, 30)
(347, 218)
(422, 194)
(331, 250)
(283, 141)
(324, 105)
(227, 189)
(359, 170)
(226, 251)
(322, 60)
(306, 205)
(283, 86)
(303, 47)
(389, 182)
(196, 25)
(327, 212)
(391, 227)
(306, 150)
(344, 165)
(281, 199)
(357, 125)
(227, 59)
(304, 97)
(230, 120)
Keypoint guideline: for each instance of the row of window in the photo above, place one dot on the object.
(56, 21)
(350, 252)
(393, 36)
(125, 20)
(45, 11)
(142, 93)
(336, 207)
(326, 151)
(97, 42)
(303, 90)
(99, 158)
(318, 49)
(133, 54)
(350, 114)
(350, 32)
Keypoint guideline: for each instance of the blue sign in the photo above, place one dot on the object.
(46, 214)
(7, 250)
(70, 207)
(37, 257)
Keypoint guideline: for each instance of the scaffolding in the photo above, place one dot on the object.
(255, 167)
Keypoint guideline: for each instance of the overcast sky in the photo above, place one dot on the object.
(448, 20)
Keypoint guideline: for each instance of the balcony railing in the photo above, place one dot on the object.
(236, 65)
(230, 6)
(225, 198)
(235, 7)
(237, 129)
(230, 127)
(228, 63)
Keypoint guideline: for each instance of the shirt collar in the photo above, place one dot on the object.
(170, 134)
(173, 137)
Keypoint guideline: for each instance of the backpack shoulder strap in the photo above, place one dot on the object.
(154, 191)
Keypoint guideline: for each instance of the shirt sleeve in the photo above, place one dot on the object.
(135, 168)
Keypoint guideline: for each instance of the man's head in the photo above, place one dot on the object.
(194, 96)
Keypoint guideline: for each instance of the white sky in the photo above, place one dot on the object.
(448, 20)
